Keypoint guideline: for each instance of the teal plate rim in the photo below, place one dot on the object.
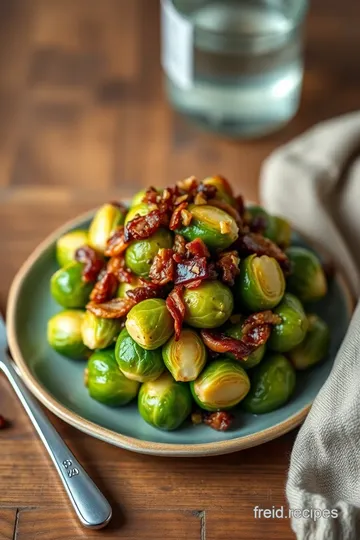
(217, 447)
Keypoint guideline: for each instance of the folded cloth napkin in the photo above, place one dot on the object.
(314, 181)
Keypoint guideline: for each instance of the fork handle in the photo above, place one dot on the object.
(89, 503)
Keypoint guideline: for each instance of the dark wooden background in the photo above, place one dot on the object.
(83, 119)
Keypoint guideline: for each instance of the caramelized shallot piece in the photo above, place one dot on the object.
(93, 263)
(113, 309)
(104, 289)
(176, 307)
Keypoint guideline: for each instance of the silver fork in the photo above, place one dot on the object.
(89, 503)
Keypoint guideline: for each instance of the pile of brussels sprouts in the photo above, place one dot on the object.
(138, 356)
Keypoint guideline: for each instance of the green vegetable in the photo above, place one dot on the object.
(222, 385)
(67, 245)
(209, 305)
(140, 254)
(141, 209)
(124, 287)
(99, 333)
(261, 283)
(255, 211)
(165, 403)
(272, 385)
(105, 381)
(276, 228)
(186, 357)
(255, 357)
(68, 288)
(135, 362)
(214, 226)
(292, 329)
(64, 333)
(314, 347)
(279, 231)
(307, 279)
(138, 197)
(103, 225)
(224, 191)
(150, 324)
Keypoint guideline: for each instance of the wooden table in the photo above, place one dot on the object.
(83, 119)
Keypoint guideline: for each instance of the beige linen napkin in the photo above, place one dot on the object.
(314, 181)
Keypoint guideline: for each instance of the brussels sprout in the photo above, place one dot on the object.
(104, 224)
(255, 211)
(186, 357)
(64, 333)
(314, 347)
(261, 283)
(105, 381)
(165, 403)
(272, 384)
(68, 288)
(276, 228)
(138, 197)
(279, 231)
(141, 209)
(292, 329)
(67, 245)
(98, 333)
(255, 357)
(135, 362)
(140, 254)
(224, 191)
(214, 226)
(307, 279)
(150, 324)
(209, 305)
(222, 385)
(124, 287)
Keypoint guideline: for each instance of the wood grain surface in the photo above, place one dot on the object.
(83, 119)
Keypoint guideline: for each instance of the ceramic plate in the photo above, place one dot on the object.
(58, 382)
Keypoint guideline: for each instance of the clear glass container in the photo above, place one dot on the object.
(234, 66)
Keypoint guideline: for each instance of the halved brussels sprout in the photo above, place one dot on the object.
(103, 225)
(222, 385)
(105, 381)
(64, 334)
(140, 254)
(150, 324)
(135, 362)
(272, 385)
(165, 403)
(214, 226)
(209, 305)
(67, 245)
(124, 287)
(261, 283)
(307, 279)
(276, 228)
(68, 288)
(141, 209)
(98, 333)
(315, 345)
(292, 329)
(224, 191)
(255, 357)
(186, 357)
